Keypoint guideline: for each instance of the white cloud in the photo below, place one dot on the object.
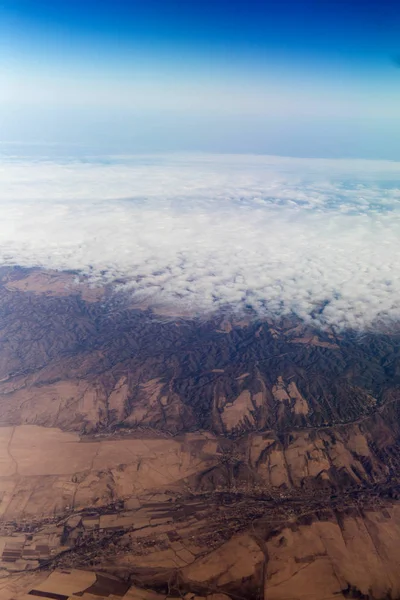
(281, 235)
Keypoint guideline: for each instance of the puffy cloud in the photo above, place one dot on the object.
(316, 238)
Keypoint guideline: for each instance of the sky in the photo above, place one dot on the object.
(213, 154)
(293, 78)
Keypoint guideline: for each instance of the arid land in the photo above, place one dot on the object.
(146, 456)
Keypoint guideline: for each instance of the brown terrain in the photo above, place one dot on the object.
(145, 456)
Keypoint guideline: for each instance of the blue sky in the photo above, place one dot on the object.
(301, 78)
(309, 79)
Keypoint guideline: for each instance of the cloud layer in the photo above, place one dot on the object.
(317, 238)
